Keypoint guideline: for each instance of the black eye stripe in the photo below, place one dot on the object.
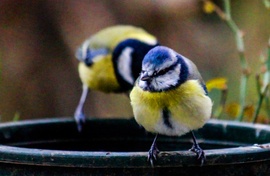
(165, 70)
(92, 53)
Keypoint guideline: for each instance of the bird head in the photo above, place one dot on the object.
(88, 54)
(161, 69)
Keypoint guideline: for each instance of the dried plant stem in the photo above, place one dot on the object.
(221, 105)
(267, 79)
(263, 90)
(259, 104)
(268, 105)
(241, 49)
(268, 59)
(238, 34)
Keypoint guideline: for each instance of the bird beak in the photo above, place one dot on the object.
(145, 77)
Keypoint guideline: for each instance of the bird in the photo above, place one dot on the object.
(110, 61)
(170, 98)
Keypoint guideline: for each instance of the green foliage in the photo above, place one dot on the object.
(242, 110)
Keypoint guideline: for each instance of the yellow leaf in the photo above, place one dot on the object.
(216, 83)
(232, 109)
(249, 112)
(262, 119)
(208, 7)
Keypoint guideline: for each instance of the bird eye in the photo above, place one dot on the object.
(142, 72)
(88, 58)
(155, 73)
(162, 72)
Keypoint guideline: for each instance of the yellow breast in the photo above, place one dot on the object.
(189, 108)
(100, 76)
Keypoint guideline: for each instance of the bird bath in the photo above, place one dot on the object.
(119, 147)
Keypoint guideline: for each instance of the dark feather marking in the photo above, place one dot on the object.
(166, 117)
(205, 89)
(184, 70)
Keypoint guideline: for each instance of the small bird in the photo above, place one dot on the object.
(170, 98)
(110, 61)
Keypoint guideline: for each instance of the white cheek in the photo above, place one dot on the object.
(142, 84)
(124, 65)
(167, 80)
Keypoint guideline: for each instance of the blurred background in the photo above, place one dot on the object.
(38, 39)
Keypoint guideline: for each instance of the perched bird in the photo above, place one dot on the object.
(110, 61)
(170, 98)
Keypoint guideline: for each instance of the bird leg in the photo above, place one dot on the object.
(153, 152)
(79, 115)
(197, 149)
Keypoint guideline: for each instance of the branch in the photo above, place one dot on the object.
(259, 104)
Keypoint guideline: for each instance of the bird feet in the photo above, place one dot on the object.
(152, 154)
(199, 152)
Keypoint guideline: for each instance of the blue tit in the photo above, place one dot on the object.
(110, 61)
(170, 98)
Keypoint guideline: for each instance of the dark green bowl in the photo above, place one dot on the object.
(119, 147)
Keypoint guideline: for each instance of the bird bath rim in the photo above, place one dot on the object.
(131, 159)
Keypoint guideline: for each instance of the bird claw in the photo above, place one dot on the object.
(199, 152)
(80, 120)
(152, 154)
